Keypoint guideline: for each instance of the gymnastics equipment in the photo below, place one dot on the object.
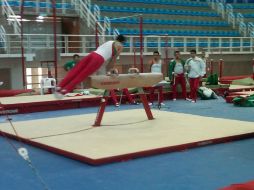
(125, 80)
(132, 80)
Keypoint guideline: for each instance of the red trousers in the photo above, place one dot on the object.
(83, 69)
(179, 79)
(194, 85)
(125, 91)
(151, 95)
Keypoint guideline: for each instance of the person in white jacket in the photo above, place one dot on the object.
(195, 67)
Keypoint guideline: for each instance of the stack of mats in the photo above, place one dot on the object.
(244, 186)
(241, 97)
(230, 79)
(244, 101)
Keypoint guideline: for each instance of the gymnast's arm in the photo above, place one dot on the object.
(118, 48)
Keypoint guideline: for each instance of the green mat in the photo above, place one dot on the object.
(244, 101)
(246, 82)
(218, 86)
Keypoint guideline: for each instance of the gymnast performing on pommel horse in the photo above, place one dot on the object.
(108, 51)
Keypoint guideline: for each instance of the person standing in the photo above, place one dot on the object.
(195, 67)
(204, 57)
(156, 67)
(70, 64)
(177, 74)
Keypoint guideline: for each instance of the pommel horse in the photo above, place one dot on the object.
(133, 80)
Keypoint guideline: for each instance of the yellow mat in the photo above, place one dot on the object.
(125, 132)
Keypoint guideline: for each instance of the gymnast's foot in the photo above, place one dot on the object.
(59, 93)
(135, 103)
(162, 104)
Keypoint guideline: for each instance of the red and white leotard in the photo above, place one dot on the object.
(105, 50)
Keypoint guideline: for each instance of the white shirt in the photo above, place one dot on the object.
(195, 67)
(156, 67)
(105, 50)
(178, 67)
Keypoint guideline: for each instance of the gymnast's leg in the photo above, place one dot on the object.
(87, 67)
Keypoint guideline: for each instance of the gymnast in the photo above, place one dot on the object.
(90, 64)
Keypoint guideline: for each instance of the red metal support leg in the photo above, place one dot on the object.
(145, 103)
(101, 110)
(221, 62)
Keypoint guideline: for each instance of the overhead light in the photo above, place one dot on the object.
(14, 16)
(40, 17)
(39, 20)
(17, 19)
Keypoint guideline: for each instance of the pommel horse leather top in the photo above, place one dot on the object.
(133, 80)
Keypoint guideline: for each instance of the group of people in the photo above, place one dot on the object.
(190, 71)
(180, 71)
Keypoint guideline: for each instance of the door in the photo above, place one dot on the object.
(5, 76)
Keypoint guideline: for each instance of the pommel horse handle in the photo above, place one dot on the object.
(133, 70)
(131, 80)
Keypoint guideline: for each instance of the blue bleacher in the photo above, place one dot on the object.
(248, 15)
(172, 22)
(156, 11)
(179, 44)
(127, 31)
(239, 1)
(243, 6)
(41, 4)
(164, 2)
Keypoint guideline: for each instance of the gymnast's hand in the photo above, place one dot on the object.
(113, 72)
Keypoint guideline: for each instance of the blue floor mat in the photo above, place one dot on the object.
(205, 168)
